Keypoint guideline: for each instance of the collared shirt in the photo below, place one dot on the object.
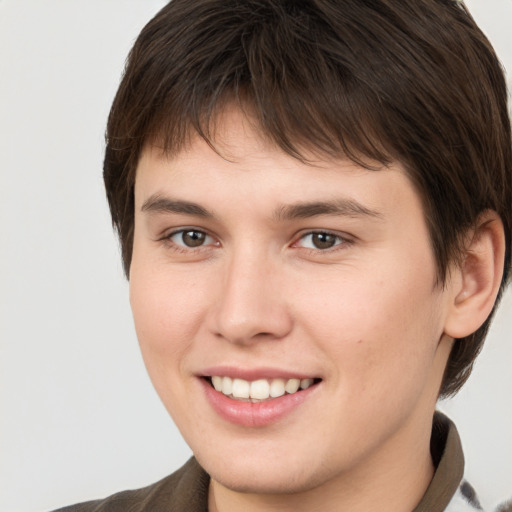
(448, 491)
(186, 490)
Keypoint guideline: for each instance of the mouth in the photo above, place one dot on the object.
(260, 390)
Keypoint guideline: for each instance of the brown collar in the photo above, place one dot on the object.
(448, 458)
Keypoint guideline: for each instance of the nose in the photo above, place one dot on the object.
(252, 304)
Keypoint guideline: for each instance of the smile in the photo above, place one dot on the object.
(259, 390)
(257, 401)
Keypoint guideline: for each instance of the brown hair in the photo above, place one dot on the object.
(386, 80)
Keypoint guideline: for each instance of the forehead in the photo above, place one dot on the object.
(238, 174)
(234, 130)
(240, 161)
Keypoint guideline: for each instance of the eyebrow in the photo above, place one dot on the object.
(341, 207)
(159, 204)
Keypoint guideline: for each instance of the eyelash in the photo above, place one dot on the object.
(341, 241)
(167, 240)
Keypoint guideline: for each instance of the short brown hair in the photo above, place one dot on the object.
(417, 82)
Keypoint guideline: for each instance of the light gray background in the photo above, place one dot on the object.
(79, 418)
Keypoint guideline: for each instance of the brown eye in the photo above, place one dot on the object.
(320, 240)
(190, 238)
(193, 238)
(323, 240)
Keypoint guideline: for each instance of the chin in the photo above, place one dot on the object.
(270, 478)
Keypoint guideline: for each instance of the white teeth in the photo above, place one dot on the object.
(227, 385)
(277, 388)
(261, 389)
(306, 383)
(217, 383)
(292, 385)
(241, 388)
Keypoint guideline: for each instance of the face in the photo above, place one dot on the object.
(287, 313)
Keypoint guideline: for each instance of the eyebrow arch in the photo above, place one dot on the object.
(159, 204)
(342, 207)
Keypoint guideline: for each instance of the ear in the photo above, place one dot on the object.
(476, 281)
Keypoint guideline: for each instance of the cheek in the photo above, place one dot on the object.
(167, 315)
(167, 310)
(381, 329)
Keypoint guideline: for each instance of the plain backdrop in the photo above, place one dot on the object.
(79, 418)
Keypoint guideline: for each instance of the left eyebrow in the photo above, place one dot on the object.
(159, 204)
(342, 207)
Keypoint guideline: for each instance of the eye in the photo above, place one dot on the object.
(190, 238)
(321, 240)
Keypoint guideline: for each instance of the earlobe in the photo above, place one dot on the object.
(478, 277)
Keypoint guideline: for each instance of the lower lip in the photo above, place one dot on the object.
(254, 414)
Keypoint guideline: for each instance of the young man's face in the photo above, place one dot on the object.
(254, 266)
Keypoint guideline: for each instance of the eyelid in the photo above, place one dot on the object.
(343, 239)
(168, 235)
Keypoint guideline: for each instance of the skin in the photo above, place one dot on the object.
(365, 316)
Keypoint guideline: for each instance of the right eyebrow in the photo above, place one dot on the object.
(343, 207)
(160, 204)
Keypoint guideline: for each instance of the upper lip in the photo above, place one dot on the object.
(252, 374)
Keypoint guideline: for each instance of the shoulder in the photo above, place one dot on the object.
(186, 490)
